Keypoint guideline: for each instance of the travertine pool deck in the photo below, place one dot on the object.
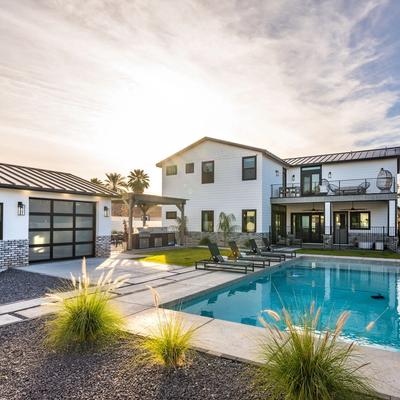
(223, 338)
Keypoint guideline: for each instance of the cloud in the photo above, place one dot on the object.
(125, 83)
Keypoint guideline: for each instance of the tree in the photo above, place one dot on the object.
(226, 224)
(138, 181)
(115, 182)
(97, 181)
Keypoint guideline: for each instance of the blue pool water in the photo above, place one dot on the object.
(334, 285)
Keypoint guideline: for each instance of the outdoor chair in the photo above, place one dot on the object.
(259, 261)
(218, 263)
(277, 257)
(268, 247)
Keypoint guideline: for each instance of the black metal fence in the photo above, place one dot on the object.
(375, 237)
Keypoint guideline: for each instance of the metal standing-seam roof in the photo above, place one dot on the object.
(36, 179)
(346, 156)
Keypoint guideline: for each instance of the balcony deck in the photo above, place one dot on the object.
(366, 189)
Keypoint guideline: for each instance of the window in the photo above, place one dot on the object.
(249, 168)
(170, 215)
(207, 172)
(249, 218)
(360, 220)
(171, 170)
(207, 221)
(189, 168)
(310, 180)
(1, 221)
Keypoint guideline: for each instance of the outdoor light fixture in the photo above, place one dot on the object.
(106, 211)
(293, 177)
(329, 174)
(276, 172)
(21, 208)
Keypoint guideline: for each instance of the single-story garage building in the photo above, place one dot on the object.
(49, 215)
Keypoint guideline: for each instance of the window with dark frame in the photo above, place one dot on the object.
(171, 170)
(249, 221)
(249, 168)
(189, 168)
(207, 172)
(207, 221)
(360, 220)
(170, 215)
(1, 221)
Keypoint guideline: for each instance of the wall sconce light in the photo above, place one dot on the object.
(21, 208)
(106, 211)
(329, 174)
(293, 178)
(276, 172)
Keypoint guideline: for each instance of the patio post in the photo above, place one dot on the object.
(181, 208)
(130, 222)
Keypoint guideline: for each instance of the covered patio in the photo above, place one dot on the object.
(144, 202)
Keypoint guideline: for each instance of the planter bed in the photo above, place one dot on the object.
(16, 285)
(28, 370)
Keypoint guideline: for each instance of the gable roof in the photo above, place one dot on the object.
(220, 141)
(373, 154)
(36, 179)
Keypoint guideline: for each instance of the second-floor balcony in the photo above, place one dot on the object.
(346, 187)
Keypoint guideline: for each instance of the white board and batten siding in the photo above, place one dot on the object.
(17, 227)
(229, 193)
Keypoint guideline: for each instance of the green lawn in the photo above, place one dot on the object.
(352, 253)
(185, 257)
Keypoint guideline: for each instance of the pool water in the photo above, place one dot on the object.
(334, 285)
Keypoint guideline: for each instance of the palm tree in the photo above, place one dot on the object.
(226, 224)
(115, 182)
(138, 180)
(97, 181)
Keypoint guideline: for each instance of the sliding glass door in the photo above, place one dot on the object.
(308, 226)
(310, 180)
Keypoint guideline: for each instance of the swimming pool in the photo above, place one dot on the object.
(335, 285)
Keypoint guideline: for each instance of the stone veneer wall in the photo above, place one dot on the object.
(193, 238)
(103, 246)
(14, 253)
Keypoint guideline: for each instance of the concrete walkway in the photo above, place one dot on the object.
(218, 337)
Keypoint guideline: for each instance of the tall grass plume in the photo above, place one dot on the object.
(302, 362)
(86, 316)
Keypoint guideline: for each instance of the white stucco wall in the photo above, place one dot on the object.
(17, 227)
(229, 193)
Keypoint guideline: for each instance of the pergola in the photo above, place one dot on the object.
(144, 202)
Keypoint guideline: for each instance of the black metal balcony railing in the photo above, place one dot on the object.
(337, 188)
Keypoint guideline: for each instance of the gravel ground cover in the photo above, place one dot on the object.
(16, 284)
(28, 370)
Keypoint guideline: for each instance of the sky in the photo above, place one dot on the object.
(101, 86)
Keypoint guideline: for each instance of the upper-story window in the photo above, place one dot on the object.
(249, 168)
(310, 180)
(189, 168)
(207, 172)
(171, 170)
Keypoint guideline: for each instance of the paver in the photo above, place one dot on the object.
(6, 319)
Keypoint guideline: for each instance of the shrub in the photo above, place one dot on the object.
(87, 317)
(169, 343)
(303, 363)
(204, 241)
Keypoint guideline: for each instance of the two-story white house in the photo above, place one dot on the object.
(336, 199)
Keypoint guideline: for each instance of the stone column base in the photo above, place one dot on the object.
(103, 246)
(14, 253)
